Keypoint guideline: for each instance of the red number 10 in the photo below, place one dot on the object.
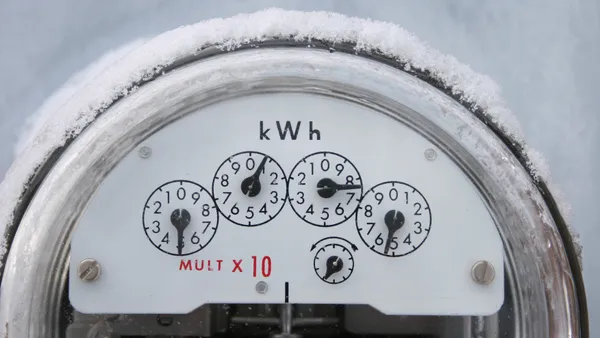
(265, 266)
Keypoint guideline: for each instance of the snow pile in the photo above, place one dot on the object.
(153, 56)
(37, 123)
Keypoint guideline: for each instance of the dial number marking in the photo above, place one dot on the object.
(325, 189)
(249, 188)
(180, 218)
(394, 219)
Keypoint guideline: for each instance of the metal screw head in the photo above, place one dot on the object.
(430, 154)
(102, 329)
(145, 152)
(88, 270)
(483, 272)
(164, 320)
(262, 287)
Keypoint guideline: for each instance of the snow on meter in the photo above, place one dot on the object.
(309, 175)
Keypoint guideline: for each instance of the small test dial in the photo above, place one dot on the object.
(325, 189)
(250, 188)
(333, 263)
(393, 219)
(180, 218)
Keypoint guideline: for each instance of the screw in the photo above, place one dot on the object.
(88, 270)
(430, 154)
(145, 152)
(262, 287)
(101, 329)
(483, 272)
(164, 320)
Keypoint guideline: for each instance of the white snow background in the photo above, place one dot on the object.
(542, 53)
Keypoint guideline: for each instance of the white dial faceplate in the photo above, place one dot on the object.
(168, 215)
(338, 189)
(394, 219)
(250, 188)
(380, 178)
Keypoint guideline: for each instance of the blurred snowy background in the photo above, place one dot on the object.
(544, 53)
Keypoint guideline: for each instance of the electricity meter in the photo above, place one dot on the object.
(275, 189)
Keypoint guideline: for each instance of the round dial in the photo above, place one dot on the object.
(325, 189)
(333, 263)
(249, 188)
(393, 219)
(180, 218)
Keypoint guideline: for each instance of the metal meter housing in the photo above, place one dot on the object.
(415, 194)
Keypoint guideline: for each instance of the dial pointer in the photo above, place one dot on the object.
(394, 220)
(333, 265)
(180, 219)
(260, 168)
(327, 187)
(251, 185)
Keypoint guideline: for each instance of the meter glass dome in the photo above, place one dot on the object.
(292, 192)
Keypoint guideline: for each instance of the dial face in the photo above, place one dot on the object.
(393, 219)
(249, 188)
(325, 189)
(267, 159)
(180, 218)
(333, 263)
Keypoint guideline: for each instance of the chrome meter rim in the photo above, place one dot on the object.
(545, 282)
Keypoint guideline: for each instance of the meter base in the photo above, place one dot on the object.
(267, 320)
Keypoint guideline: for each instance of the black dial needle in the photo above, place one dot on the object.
(251, 184)
(326, 187)
(394, 220)
(180, 218)
(333, 265)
